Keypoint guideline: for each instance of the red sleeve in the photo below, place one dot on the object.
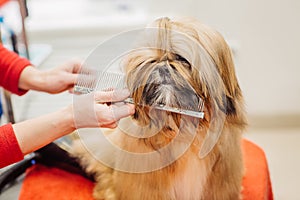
(10, 151)
(2, 2)
(11, 66)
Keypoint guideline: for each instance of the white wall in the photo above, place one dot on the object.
(269, 63)
(267, 37)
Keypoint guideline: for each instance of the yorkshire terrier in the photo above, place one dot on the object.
(165, 155)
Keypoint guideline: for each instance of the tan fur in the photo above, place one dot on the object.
(217, 176)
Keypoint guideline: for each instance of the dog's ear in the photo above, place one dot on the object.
(228, 105)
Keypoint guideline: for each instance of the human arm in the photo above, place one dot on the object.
(33, 134)
(52, 81)
(18, 75)
(11, 67)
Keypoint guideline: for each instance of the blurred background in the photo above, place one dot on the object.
(264, 36)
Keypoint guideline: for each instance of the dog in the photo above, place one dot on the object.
(180, 64)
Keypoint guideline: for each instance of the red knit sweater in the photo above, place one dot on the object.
(11, 66)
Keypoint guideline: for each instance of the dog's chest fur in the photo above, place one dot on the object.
(184, 179)
(190, 178)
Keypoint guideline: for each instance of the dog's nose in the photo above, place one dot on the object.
(165, 75)
(163, 71)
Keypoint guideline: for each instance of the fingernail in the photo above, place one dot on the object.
(132, 109)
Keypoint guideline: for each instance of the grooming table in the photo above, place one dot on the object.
(50, 183)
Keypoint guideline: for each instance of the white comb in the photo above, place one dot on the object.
(192, 113)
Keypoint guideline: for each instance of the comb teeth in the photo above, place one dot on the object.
(82, 89)
(91, 81)
(192, 113)
(87, 81)
(110, 80)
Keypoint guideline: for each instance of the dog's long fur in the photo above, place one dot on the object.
(176, 71)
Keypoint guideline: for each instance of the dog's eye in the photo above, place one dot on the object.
(182, 59)
(173, 67)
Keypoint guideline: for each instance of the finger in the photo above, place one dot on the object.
(76, 66)
(73, 65)
(122, 111)
(111, 96)
(71, 90)
(71, 79)
(112, 125)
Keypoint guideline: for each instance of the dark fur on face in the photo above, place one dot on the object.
(164, 85)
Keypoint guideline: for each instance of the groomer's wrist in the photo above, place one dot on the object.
(68, 116)
(31, 79)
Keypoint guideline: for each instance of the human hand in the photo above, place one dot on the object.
(52, 81)
(101, 109)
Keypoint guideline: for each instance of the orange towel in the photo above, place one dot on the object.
(48, 183)
(51, 183)
(256, 182)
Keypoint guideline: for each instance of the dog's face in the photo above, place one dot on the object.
(163, 83)
(181, 65)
